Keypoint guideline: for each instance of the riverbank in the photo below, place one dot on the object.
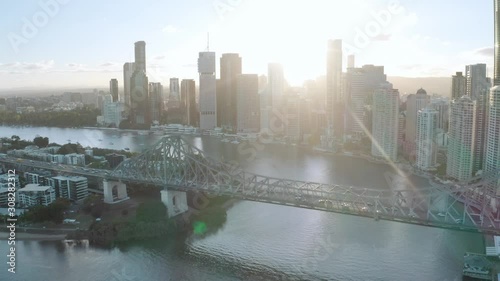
(33, 236)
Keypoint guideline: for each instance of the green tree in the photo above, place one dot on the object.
(41, 141)
(151, 211)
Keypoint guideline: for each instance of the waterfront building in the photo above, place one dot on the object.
(33, 195)
(248, 104)
(461, 139)
(208, 98)
(385, 122)
(334, 99)
(227, 98)
(426, 153)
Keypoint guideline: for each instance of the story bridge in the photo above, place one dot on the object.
(177, 166)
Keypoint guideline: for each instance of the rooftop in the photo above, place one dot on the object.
(34, 187)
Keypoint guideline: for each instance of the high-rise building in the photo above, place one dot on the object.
(442, 106)
(426, 146)
(174, 89)
(230, 68)
(248, 104)
(139, 88)
(72, 188)
(113, 89)
(140, 56)
(477, 88)
(458, 86)
(275, 84)
(492, 151)
(292, 128)
(208, 98)
(461, 139)
(414, 103)
(476, 80)
(188, 93)
(350, 61)
(496, 77)
(128, 70)
(156, 101)
(385, 122)
(361, 84)
(334, 99)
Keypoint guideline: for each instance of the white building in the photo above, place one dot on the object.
(426, 147)
(34, 194)
(292, 125)
(248, 104)
(72, 188)
(74, 159)
(112, 112)
(492, 155)
(385, 122)
(461, 139)
(208, 98)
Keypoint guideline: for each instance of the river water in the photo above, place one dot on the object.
(258, 241)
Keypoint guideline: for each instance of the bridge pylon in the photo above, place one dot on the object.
(175, 201)
(114, 192)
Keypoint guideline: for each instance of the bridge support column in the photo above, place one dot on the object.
(175, 201)
(114, 192)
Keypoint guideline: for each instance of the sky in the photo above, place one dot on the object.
(76, 43)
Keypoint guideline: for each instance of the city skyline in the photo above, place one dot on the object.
(63, 53)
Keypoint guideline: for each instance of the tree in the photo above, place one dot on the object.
(71, 148)
(151, 211)
(41, 142)
(15, 139)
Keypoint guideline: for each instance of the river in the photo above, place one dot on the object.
(258, 241)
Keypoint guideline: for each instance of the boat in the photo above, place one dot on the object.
(126, 148)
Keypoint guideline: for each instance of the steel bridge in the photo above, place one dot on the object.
(175, 164)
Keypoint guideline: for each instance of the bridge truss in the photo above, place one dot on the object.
(175, 164)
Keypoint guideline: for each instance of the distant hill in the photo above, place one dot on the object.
(433, 85)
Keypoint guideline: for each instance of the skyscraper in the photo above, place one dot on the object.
(275, 84)
(113, 89)
(361, 84)
(414, 103)
(139, 88)
(174, 89)
(230, 68)
(458, 87)
(477, 88)
(385, 122)
(334, 100)
(128, 70)
(492, 159)
(140, 56)
(426, 146)
(248, 104)
(442, 106)
(188, 94)
(156, 101)
(461, 140)
(208, 98)
(350, 61)
(496, 77)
